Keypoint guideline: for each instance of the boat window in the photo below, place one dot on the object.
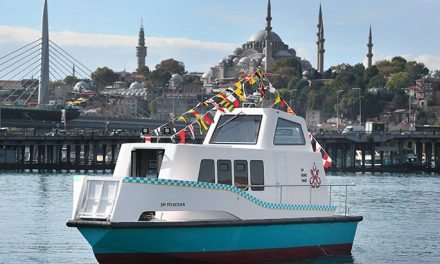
(146, 162)
(257, 174)
(207, 171)
(240, 173)
(288, 133)
(237, 129)
(224, 173)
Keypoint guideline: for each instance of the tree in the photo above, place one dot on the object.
(386, 68)
(145, 71)
(370, 73)
(70, 80)
(171, 66)
(399, 80)
(288, 67)
(399, 62)
(399, 100)
(104, 76)
(416, 70)
(152, 106)
(162, 74)
(377, 81)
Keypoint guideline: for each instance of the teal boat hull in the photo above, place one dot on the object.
(220, 241)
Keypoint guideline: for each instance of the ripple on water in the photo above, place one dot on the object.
(401, 219)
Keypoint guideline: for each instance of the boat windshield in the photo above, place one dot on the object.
(237, 129)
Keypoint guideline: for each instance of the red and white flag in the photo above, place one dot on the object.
(326, 160)
(147, 138)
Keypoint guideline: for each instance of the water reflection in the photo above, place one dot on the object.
(401, 219)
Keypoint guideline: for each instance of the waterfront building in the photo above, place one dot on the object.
(313, 118)
(431, 88)
(256, 52)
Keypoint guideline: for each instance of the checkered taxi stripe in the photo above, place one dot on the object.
(215, 186)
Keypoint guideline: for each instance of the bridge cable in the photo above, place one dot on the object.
(19, 49)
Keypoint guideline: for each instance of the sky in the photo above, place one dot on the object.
(202, 32)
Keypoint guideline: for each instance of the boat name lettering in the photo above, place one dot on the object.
(303, 175)
(172, 204)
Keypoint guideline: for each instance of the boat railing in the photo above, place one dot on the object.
(331, 187)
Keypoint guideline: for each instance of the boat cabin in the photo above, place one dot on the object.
(263, 152)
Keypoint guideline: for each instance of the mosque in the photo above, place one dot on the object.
(253, 54)
(263, 48)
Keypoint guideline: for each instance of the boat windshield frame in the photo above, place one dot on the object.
(230, 123)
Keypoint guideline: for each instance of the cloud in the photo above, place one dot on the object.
(70, 38)
(197, 54)
(432, 62)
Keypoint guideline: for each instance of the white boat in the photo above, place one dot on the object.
(254, 191)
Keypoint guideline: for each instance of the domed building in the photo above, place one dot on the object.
(81, 86)
(135, 86)
(252, 55)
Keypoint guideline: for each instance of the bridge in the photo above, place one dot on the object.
(385, 151)
(98, 149)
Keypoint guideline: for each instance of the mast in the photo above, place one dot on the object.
(43, 88)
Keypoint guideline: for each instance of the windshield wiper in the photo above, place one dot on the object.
(230, 119)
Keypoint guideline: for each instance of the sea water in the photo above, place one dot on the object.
(401, 218)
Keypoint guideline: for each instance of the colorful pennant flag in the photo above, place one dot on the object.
(208, 118)
(191, 130)
(326, 160)
(182, 136)
(147, 138)
(251, 80)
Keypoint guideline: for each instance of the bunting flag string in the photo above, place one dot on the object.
(225, 102)
(219, 101)
(326, 160)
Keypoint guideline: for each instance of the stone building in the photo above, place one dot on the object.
(252, 54)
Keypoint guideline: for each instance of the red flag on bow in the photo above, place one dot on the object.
(182, 136)
(147, 138)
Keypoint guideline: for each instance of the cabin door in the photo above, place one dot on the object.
(281, 178)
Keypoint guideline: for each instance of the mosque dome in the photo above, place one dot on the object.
(206, 75)
(306, 65)
(81, 86)
(244, 60)
(235, 60)
(260, 35)
(238, 51)
(176, 77)
(263, 61)
(135, 86)
(293, 52)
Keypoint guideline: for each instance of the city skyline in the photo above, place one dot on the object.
(106, 35)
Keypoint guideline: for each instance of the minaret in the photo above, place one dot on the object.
(370, 49)
(320, 43)
(267, 39)
(141, 50)
(43, 87)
